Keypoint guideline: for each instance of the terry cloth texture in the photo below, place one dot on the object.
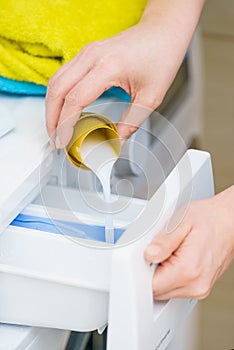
(21, 87)
(16, 87)
(38, 36)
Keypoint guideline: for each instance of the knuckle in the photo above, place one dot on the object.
(158, 244)
(156, 100)
(151, 100)
(131, 130)
(161, 240)
(154, 97)
(163, 246)
(202, 290)
(72, 99)
(112, 62)
(104, 64)
(159, 237)
(91, 47)
(53, 89)
(191, 272)
(110, 65)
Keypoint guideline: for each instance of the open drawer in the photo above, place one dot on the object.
(59, 280)
(52, 277)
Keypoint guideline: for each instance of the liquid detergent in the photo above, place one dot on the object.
(99, 156)
(95, 145)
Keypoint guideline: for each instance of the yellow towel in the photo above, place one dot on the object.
(38, 36)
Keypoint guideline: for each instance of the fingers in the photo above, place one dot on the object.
(167, 281)
(82, 94)
(181, 280)
(60, 85)
(142, 105)
(176, 278)
(165, 244)
(186, 267)
(131, 120)
(166, 250)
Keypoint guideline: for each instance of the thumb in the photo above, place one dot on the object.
(132, 118)
(165, 244)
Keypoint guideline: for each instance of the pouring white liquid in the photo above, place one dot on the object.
(98, 154)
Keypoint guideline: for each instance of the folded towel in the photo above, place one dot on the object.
(21, 87)
(25, 88)
(37, 37)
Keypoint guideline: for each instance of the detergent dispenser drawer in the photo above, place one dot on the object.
(54, 263)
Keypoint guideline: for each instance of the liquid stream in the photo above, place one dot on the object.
(99, 156)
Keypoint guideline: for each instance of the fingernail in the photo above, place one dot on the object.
(57, 142)
(52, 145)
(152, 252)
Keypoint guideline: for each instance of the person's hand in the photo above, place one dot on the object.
(137, 60)
(143, 60)
(194, 255)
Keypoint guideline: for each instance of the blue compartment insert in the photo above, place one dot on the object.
(72, 229)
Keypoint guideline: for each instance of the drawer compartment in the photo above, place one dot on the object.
(50, 274)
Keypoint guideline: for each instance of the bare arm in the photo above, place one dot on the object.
(143, 60)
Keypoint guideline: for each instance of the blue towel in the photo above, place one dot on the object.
(21, 87)
(118, 93)
(25, 88)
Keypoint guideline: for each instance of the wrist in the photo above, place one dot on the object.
(178, 18)
(173, 9)
(224, 202)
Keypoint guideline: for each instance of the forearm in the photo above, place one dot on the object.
(175, 19)
(225, 200)
(143, 60)
(179, 14)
